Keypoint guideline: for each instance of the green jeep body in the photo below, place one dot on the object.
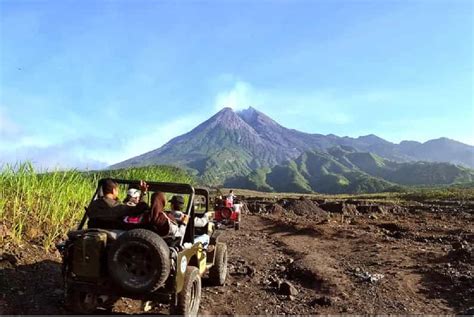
(88, 283)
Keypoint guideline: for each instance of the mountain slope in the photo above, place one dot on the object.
(223, 146)
(343, 170)
(233, 144)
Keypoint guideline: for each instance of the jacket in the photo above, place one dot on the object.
(107, 213)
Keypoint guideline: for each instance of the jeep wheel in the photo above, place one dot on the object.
(218, 272)
(139, 261)
(190, 296)
(80, 302)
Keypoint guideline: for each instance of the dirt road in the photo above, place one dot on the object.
(408, 263)
(335, 266)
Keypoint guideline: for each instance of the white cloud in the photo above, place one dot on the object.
(92, 153)
(74, 154)
(323, 106)
(240, 96)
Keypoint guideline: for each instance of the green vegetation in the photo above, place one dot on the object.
(44, 205)
(453, 192)
(344, 170)
(439, 193)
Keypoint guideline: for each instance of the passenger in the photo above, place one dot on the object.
(157, 219)
(176, 214)
(133, 197)
(170, 224)
(107, 212)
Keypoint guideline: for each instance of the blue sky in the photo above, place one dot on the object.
(89, 83)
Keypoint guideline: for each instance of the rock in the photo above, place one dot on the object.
(323, 301)
(368, 277)
(366, 209)
(374, 278)
(251, 271)
(147, 306)
(286, 288)
(243, 270)
(291, 297)
(305, 207)
(277, 210)
(281, 268)
(340, 208)
(276, 283)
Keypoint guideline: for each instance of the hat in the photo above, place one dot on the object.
(132, 192)
(177, 199)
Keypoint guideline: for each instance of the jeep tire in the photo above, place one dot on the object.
(189, 298)
(218, 272)
(139, 261)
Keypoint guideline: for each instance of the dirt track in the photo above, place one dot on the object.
(397, 263)
(328, 262)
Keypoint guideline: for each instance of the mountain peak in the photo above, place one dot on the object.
(249, 112)
(372, 138)
(226, 118)
(256, 118)
(226, 111)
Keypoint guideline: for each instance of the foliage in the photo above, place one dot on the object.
(44, 205)
(344, 170)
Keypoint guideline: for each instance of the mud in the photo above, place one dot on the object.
(409, 261)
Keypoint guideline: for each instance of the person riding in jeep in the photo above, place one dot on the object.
(107, 212)
(133, 197)
(177, 215)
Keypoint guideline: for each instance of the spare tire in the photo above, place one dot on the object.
(139, 261)
(226, 213)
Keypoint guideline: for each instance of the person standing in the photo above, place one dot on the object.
(230, 199)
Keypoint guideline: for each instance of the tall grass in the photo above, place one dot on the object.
(43, 206)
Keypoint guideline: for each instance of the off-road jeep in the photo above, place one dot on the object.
(101, 265)
(226, 215)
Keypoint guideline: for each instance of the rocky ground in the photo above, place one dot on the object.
(305, 257)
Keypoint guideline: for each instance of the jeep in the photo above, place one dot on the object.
(102, 265)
